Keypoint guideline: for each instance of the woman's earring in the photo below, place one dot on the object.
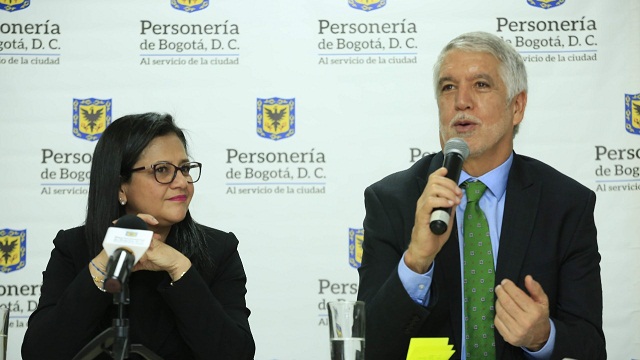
(122, 202)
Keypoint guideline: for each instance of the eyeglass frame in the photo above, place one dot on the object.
(175, 172)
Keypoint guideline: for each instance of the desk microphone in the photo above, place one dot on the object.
(125, 243)
(455, 151)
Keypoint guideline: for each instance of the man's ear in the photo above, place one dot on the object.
(518, 105)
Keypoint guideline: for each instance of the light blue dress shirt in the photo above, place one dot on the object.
(418, 286)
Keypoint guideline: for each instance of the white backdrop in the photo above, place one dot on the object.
(357, 76)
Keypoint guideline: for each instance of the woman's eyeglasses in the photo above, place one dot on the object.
(164, 174)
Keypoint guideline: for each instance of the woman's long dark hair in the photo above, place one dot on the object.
(115, 155)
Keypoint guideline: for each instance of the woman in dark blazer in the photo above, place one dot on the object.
(187, 292)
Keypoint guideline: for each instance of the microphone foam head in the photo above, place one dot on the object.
(131, 222)
(457, 145)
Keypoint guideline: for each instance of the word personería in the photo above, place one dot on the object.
(250, 157)
(604, 153)
(29, 37)
(327, 286)
(400, 27)
(149, 28)
(206, 39)
(68, 166)
(44, 28)
(581, 24)
(391, 36)
(49, 155)
(620, 162)
(537, 34)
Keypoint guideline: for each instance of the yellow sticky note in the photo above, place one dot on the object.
(430, 349)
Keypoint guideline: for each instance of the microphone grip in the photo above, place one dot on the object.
(440, 216)
(118, 270)
(453, 162)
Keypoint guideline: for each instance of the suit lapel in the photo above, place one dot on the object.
(520, 209)
(434, 164)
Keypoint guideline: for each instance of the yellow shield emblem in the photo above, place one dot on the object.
(367, 5)
(13, 249)
(14, 5)
(632, 113)
(91, 117)
(356, 238)
(545, 4)
(189, 5)
(275, 118)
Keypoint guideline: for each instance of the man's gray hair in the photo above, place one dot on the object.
(512, 69)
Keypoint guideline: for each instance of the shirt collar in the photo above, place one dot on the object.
(496, 179)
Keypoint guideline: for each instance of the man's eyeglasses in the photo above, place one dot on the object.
(164, 174)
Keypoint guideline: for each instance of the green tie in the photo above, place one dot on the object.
(479, 277)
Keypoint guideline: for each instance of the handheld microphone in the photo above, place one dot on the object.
(125, 243)
(455, 151)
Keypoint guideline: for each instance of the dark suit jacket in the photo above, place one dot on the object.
(202, 316)
(548, 231)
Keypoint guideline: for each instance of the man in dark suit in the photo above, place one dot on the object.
(548, 292)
